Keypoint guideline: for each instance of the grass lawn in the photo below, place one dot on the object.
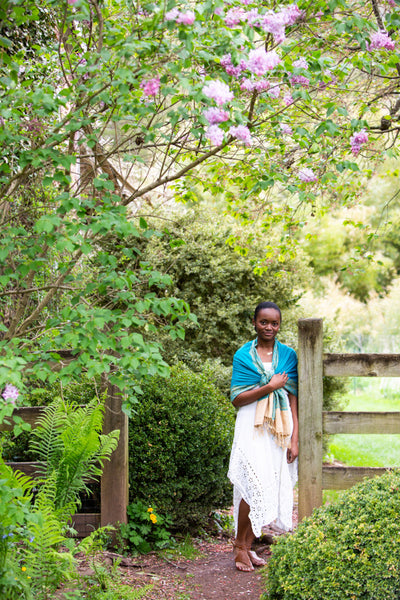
(367, 450)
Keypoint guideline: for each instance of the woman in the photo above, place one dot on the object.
(262, 466)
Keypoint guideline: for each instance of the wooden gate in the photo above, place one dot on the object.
(314, 422)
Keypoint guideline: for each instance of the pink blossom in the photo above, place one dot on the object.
(301, 63)
(251, 85)
(275, 23)
(381, 40)
(216, 115)
(253, 18)
(391, 3)
(274, 92)
(291, 14)
(186, 18)
(219, 11)
(35, 126)
(286, 129)
(218, 91)
(260, 61)
(288, 99)
(71, 2)
(215, 134)
(242, 133)
(307, 175)
(357, 140)
(300, 80)
(234, 16)
(10, 393)
(151, 86)
(226, 62)
(172, 15)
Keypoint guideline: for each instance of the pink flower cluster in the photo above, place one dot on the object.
(307, 175)
(275, 91)
(357, 140)
(286, 129)
(251, 85)
(276, 22)
(180, 17)
(10, 393)
(301, 63)
(216, 115)
(226, 62)
(288, 99)
(261, 61)
(234, 16)
(150, 87)
(242, 133)
(272, 22)
(35, 126)
(380, 40)
(302, 80)
(215, 134)
(218, 91)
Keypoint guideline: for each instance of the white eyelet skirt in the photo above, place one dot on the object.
(260, 474)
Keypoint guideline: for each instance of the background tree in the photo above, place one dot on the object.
(123, 100)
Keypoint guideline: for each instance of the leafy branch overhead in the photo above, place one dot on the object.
(109, 109)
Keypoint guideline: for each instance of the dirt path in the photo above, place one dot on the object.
(216, 578)
(212, 576)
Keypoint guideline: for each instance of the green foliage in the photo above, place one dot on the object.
(105, 584)
(180, 440)
(346, 550)
(71, 448)
(146, 529)
(15, 522)
(222, 285)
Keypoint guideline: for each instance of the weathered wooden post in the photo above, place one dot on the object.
(114, 480)
(310, 354)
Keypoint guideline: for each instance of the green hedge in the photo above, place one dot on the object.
(347, 550)
(180, 440)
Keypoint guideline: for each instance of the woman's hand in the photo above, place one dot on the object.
(293, 451)
(279, 380)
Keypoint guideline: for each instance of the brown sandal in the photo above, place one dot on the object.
(242, 565)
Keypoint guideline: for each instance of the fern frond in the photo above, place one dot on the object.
(45, 441)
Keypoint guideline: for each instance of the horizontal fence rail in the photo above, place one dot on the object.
(362, 365)
(314, 423)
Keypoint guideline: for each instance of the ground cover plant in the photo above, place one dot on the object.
(346, 550)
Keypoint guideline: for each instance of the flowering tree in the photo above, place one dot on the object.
(119, 100)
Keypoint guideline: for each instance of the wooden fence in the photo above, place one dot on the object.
(314, 422)
(114, 480)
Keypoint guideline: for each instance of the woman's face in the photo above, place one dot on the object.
(267, 324)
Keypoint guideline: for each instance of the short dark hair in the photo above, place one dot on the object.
(267, 305)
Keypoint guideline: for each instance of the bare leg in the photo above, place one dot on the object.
(244, 539)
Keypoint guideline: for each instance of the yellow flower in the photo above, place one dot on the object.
(153, 518)
(150, 509)
(23, 568)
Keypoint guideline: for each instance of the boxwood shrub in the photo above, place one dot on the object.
(180, 440)
(347, 550)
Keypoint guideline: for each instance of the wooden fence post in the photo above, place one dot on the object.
(114, 480)
(310, 354)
